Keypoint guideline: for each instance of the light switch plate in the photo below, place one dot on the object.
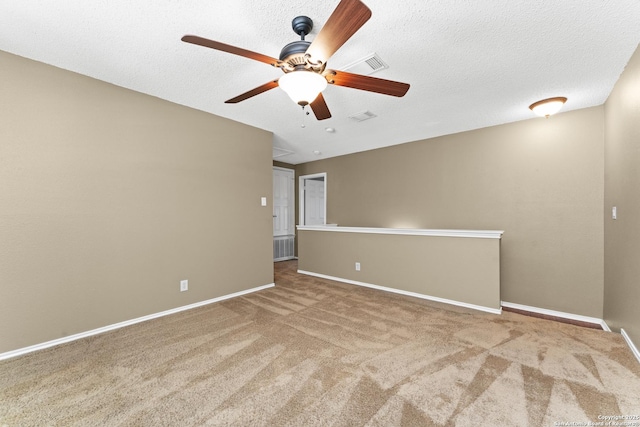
(263, 201)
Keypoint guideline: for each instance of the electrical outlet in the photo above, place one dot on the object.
(357, 266)
(184, 285)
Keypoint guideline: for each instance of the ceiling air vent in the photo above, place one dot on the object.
(279, 152)
(367, 65)
(362, 116)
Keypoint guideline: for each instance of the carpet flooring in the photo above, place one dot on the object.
(311, 352)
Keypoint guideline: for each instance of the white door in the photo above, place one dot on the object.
(283, 202)
(314, 202)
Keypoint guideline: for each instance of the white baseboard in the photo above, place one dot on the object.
(401, 292)
(42, 346)
(630, 343)
(560, 314)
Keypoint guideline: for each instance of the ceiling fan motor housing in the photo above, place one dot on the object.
(294, 53)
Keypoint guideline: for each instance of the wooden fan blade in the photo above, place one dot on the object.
(348, 17)
(253, 92)
(371, 84)
(231, 49)
(320, 109)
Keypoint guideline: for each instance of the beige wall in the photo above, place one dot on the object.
(622, 189)
(108, 198)
(283, 165)
(540, 180)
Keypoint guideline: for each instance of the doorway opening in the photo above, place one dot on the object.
(313, 199)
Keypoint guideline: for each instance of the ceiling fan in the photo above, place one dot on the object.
(304, 63)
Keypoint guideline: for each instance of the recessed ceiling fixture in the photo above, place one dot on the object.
(330, 130)
(317, 152)
(548, 107)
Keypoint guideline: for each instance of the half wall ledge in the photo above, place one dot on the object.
(479, 234)
(460, 267)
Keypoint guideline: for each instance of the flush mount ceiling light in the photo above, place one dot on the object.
(302, 86)
(548, 107)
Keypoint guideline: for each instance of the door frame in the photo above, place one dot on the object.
(301, 199)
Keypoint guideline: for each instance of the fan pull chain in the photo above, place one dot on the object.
(304, 114)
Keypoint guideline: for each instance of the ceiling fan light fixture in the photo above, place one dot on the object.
(302, 86)
(548, 107)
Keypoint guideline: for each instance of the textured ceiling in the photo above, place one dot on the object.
(470, 64)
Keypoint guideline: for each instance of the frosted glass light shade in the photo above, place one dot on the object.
(548, 107)
(302, 86)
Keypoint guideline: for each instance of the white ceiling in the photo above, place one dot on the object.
(471, 64)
